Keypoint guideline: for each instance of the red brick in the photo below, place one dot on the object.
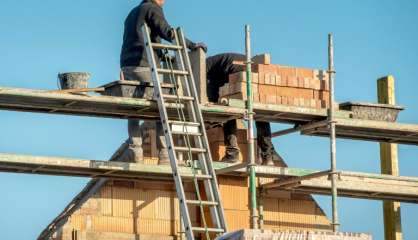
(215, 134)
(284, 100)
(280, 81)
(302, 102)
(261, 78)
(264, 58)
(270, 79)
(278, 100)
(315, 84)
(318, 104)
(306, 82)
(256, 97)
(294, 92)
(296, 102)
(287, 71)
(262, 98)
(264, 68)
(271, 99)
(321, 95)
(267, 90)
(312, 103)
(292, 81)
(305, 72)
(301, 81)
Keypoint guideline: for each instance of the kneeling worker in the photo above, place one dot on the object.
(219, 67)
(135, 66)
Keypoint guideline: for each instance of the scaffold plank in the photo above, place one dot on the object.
(350, 184)
(369, 130)
(354, 185)
(42, 101)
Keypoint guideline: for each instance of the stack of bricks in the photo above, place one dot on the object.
(281, 85)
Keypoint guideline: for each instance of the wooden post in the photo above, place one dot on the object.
(198, 62)
(389, 164)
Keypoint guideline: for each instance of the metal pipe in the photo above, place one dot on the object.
(303, 127)
(333, 148)
(251, 151)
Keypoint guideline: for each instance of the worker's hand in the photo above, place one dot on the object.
(199, 45)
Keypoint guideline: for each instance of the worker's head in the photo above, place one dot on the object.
(159, 2)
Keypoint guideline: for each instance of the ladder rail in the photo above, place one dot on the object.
(186, 138)
(203, 158)
(169, 139)
(219, 215)
(190, 132)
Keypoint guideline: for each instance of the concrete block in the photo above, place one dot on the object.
(264, 58)
(198, 62)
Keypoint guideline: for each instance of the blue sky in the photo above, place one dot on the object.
(38, 39)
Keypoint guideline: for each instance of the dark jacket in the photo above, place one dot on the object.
(133, 52)
(218, 68)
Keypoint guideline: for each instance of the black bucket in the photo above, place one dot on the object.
(74, 80)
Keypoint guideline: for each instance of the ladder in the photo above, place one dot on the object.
(185, 125)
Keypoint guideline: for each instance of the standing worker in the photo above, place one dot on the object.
(135, 66)
(219, 67)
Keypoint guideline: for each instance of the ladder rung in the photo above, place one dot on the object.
(167, 85)
(166, 46)
(194, 124)
(174, 97)
(186, 133)
(214, 230)
(184, 128)
(199, 176)
(193, 150)
(204, 203)
(178, 72)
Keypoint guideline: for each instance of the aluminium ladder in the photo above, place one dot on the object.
(187, 127)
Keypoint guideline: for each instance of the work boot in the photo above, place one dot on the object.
(232, 150)
(267, 159)
(272, 158)
(231, 155)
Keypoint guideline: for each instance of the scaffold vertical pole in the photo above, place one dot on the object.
(251, 152)
(333, 147)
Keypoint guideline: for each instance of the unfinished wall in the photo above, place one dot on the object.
(145, 207)
(151, 208)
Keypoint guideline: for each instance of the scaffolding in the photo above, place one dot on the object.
(332, 123)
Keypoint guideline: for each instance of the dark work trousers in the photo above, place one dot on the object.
(143, 74)
(264, 139)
